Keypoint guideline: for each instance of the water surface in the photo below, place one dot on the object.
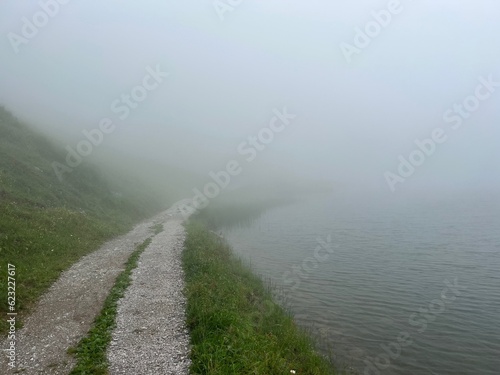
(424, 270)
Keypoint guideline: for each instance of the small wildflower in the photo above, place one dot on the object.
(292, 371)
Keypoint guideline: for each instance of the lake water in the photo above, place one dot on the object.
(395, 285)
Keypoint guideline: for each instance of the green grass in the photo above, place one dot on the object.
(47, 225)
(235, 326)
(91, 351)
(41, 243)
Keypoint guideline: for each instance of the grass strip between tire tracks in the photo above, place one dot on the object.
(91, 350)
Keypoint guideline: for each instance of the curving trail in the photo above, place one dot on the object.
(65, 313)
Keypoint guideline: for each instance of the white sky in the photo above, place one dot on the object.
(353, 119)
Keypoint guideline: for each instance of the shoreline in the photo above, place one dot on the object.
(226, 316)
(233, 319)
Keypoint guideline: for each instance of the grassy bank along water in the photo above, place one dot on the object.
(235, 326)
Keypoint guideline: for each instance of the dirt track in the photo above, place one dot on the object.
(150, 337)
(65, 313)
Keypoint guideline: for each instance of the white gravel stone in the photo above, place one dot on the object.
(150, 336)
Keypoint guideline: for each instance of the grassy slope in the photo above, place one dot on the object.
(46, 225)
(235, 326)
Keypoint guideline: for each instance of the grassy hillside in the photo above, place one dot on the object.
(46, 225)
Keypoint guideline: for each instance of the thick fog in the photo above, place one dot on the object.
(390, 95)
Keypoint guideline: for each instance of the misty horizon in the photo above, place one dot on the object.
(188, 84)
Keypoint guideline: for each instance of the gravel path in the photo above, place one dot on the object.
(65, 313)
(150, 337)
